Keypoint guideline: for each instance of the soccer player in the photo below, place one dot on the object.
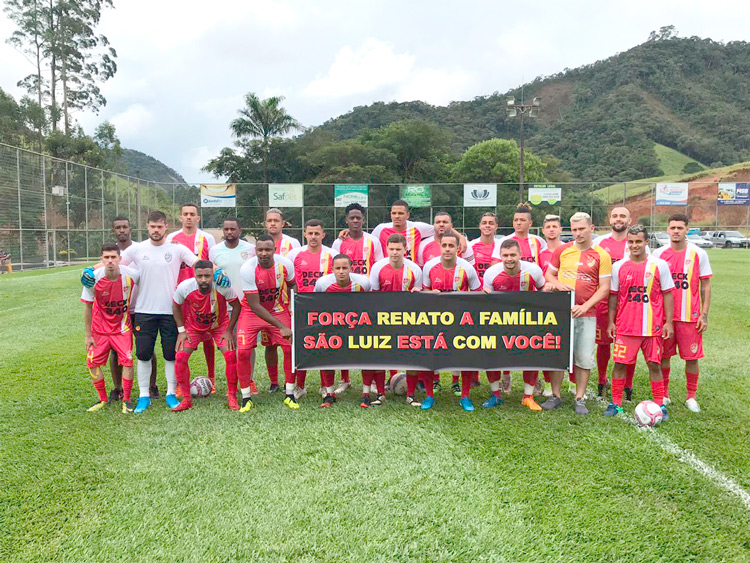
(586, 269)
(429, 248)
(395, 273)
(640, 310)
(232, 252)
(267, 281)
(513, 274)
(107, 324)
(200, 311)
(364, 250)
(341, 280)
(551, 230)
(199, 243)
(615, 243)
(445, 274)
(284, 244)
(310, 262)
(691, 272)
(413, 231)
(484, 247)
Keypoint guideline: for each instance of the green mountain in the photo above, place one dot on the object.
(147, 167)
(607, 120)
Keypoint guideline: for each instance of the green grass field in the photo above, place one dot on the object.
(671, 161)
(349, 485)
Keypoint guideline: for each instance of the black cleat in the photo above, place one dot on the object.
(600, 390)
(628, 394)
(154, 392)
(273, 388)
(115, 395)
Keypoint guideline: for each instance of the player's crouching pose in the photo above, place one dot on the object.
(341, 280)
(639, 302)
(267, 280)
(107, 323)
(200, 311)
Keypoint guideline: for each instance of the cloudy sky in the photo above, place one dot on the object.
(183, 72)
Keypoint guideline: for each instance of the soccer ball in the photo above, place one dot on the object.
(200, 387)
(648, 413)
(398, 384)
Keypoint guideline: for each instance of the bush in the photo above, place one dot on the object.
(691, 168)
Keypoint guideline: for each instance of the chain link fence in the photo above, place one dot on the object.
(54, 212)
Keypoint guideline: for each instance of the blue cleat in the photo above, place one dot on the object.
(172, 401)
(664, 414)
(466, 404)
(428, 403)
(493, 401)
(142, 404)
(612, 410)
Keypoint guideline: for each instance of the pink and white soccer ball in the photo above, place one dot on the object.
(398, 383)
(200, 387)
(648, 413)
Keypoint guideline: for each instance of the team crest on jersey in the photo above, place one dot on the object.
(688, 262)
(647, 275)
(168, 257)
(694, 347)
(591, 262)
(244, 255)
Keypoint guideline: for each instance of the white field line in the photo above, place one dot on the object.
(665, 443)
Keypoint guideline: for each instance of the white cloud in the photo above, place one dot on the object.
(437, 87)
(372, 66)
(197, 157)
(133, 122)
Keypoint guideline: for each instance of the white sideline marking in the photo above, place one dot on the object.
(712, 474)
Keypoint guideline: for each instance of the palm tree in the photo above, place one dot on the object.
(263, 119)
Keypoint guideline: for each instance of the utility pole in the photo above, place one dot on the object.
(515, 110)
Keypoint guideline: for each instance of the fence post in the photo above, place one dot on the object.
(86, 203)
(67, 210)
(138, 205)
(20, 220)
(102, 220)
(44, 200)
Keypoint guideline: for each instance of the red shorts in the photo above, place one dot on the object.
(625, 350)
(216, 335)
(250, 325)
(602, 322)
(265, 338)
(121, 343)
(687, 339)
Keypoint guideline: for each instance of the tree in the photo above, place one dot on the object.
(264, 120)
(105, 136)
(353, 161)
(497, 160)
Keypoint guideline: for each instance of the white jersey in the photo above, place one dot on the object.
(231, 260)
(429, 248)
(286, 244)
(357, 282)
(159, 267)
(88, 294)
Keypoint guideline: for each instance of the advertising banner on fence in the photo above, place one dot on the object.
(734, 194)
(218, 195)
(344, 194)
(286, 195)
(544, 193)
(671, 194)
(480, 195)
(428, 331)
(416, 195)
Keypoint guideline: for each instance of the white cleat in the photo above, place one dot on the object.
(667, 401)
(506, 386)
(299, 393)
(342, 387)
(693, 405)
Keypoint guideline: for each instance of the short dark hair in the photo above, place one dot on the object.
(400, 203)
(156, 217)
(184, 205)
(523, 208)
(510, 243)
(440, 237)
(201, 264)
(234, 219)
(109, 247)
(440, 214)
(397, 238)
(678, 217)
(637, 230)
(354, 207)
(120, 218)
(265, 237)
(314, 223)
(342, 257)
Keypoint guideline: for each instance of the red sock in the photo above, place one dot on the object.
(345, 376)
(289, 375)
(618, 388)
(427, 380)
(572, 376)
(466, 378)
(629, 374)
(273, 373)
(101, 389)
(454, 378)
(492, 377)
(208, 351)
(301, 375)
(367, 376)
(436, 376)
(665, 372)
(327, 377)
(127, 386)
(547, 377)
(657, 390)
(182, 371)
(411, 384)
(529, 378)
(230, 357)
(245, 367)
(692, 384)
(379, 378)
(603, 353)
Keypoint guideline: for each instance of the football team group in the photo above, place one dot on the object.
(189, 290)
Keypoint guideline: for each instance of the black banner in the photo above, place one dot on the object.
(432, 331)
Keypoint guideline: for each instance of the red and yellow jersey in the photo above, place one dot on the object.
(531, 247)
(581, 270)
(112, 301)
(199, 243)
(286, 244)
(363, 252)
(310, 266)
(528, 278)
(545, 257)
(640, 302)
(430, 248)
(385, 277)
(688, 267)
(461, 277)
(203, 312)
(270, 284)
(328, 284)
(414, 232)
(484, 255)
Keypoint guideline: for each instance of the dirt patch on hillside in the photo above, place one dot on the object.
(556, 96)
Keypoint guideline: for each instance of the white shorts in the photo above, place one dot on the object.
(584, 342)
